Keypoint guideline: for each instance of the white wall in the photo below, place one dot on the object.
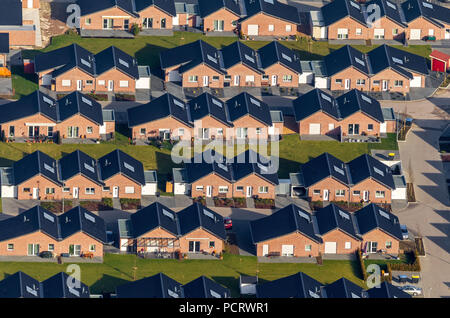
(181, 188)
(9, 191)
(322, 82)
(399, 194)
(149, 189)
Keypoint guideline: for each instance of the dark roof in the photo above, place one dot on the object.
(272, 8)
(77, 103)
(156, 286)
(118, 161)
(237, 52)
(250, 162)
(343, 288)
(57, 286)
(298, 285)
(20, 285)
(198, 216)
(287, 220)
(373, 217)
(344, 58)
(89, 6)
(4, 43)
(314, 101)
(76, 163)
(113, 57)
(203, 287)
(388, 9)
(154, 216)
(36, 163)
(356, 101)
(161, 107)
(79, 219)
(167, 6)
(208, 105)
(196, 171)
(11, 12)
(207, 7)
(339, 9)
(245, 104)
(332, 217)
(366, 166)
(322, 167)
(436, 14)
(387, 290)
(274, 52)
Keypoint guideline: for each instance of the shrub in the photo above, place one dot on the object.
(135, 29)
(414, 266)
(361, 264)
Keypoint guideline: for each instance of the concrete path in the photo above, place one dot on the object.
(33, 14)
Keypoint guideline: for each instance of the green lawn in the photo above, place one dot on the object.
(118, 269)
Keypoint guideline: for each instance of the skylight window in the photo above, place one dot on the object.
(344, 215)
(47, 100)
(251, 59)
(353, 294)
(214, 294)
(212, 59)
(89, 217)
(209, 214)
(359, 61)
(397, 60)
(217, 103)
(128, 166)
(313, 294)
(325, 97)
(86, 101)
(74, 292)
(222, 166)
(378, 171)
(339, 170)
(88, 167)
(172, 293)
(286, 57)
(304, 215)
(86, 63)
(390, 4)
(268, 1)
(255, 102)
(49, 217)
(262, 167)
(31, 291)
(427, 5)
(168, 214)
(178, 103)
(49, 168)
(124, 63)
(384, 214)
(355, 5)
(367, 99)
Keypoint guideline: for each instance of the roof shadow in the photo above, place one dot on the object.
(106, 284)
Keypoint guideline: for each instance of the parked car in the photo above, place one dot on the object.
(404, 231)
(412, 290)
(46, 254)
(228, 223)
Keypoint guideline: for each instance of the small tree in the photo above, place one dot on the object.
(135, 29)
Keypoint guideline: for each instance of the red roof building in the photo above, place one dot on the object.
(440, 62)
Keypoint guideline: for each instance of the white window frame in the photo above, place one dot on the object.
(223, 189)
(66, 83)
(142, 131)
(271, 28)
(397, 83)
(240, 188)
(66, 189)
(308, 247)
(288, 28)
(123, 83)
(199, 188)
(180, 131)
(101, 82)
(340, 193)
(89, 130)
(316, 192)
(287, 78)
(192, 78)
(380, 194)
(51, 249)
(89, 190)
(92, 248)
(129, 190)
(263, 189)
(8, 248)
(347, 245)
(358, 31)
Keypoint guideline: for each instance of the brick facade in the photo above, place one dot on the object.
(25, 189)
(122, 182)
(298, 240)
(263, 21)
(222, 15)
(341, 238)
(152, 129)
(381, 238)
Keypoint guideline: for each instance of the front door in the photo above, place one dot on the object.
(205, 81)
(163, 23)
(236, 80)
(115, 192)
(372, 247)
(75, 192)
(110, 85)
(209, 191)
(74, 250)
(385, 85)
(79, 85)
(325, 195)
(347, 84)
(33, 249)
(30, 4)
(366, 196)
(35, 193)
(194, 246)
(249, 191)
(147, 23)
(274, 80)
(447, 34)
(126, 24)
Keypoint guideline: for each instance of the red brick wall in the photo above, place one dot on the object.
(81, 182)
(352, 74)
(279, 70)
(297, 239)
(157, 15)
(152, 128)
(255, 182)
(340, 238)
(204, 237)
(351, 25)
(36, 4)
(318, 118)
(242, 71)
(222, 14)
(424, 26)
(363, 121)
(214, 181)
(381, 237)
(121, 181)
(263, 21)
(372, 186)
(41, 183)
(21, 38)
(329, 184)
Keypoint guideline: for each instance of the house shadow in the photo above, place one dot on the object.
(107, 284)
(5, 162)
(164, 164)
(229, 282)
(287, 166)
(149, 55)
(443, 240)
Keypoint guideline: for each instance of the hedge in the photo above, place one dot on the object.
(413, 267)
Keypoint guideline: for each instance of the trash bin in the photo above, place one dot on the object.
(402, 278)
(415, 279)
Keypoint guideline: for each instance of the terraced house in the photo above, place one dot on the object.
(40, 117)
(73, 68)
(219, 15)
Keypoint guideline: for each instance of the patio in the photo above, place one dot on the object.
(122, 34)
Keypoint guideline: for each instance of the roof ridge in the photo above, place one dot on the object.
(157, 213)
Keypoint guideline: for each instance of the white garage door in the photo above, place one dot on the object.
(416, 82)
(330, 247)
(383, 127)
(174, 76)
(287, 250)
(46, 80)
(252, 29)
(415, 34)
(314, 129)
(143, 83)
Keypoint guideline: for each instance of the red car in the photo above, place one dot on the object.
(228, 223)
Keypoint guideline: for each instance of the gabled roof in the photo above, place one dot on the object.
(434, 13)
(298, 285)
(332, 217)
(77, 163)
(208, 105)
(57, 286)
(118, 161)
(89, 6)
(373, 217)
(238, 52)
(4, 43)
(79, 219)
(387, 290)
(111, 58)
(245, 104)
(344, 58)
(196, 171)
(36, 163)
(156, 286)
(388, 9)
(339, 9)
(203, 287)
(314, 101)
(207, 7)
(11, 13)
(198, 216)
(164, 5)
(77, 103)
(20, 285)
(356, 101)
(250, 162)
(343, 288)
(161, 107)
(154, 216)
(322, 167)
(272, 8)
(366, 166)
(287, 220)
(274, 52)
(187, 6)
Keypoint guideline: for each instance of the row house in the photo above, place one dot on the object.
(162, 286)
(326, 178)
(71, 234)
(385, 68)
(300, 285)
(205, 117)
(38, 116)
(245, 176)
(73, 68)
(187, 14)
(293, 232)
(381, 20)
(351, 114)
(199, 64)
(77, 176)
(219, 15)
(22, 32)
(21, 285)
(158, 229)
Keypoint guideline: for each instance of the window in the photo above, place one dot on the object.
(199, 188)
(376, 83)
(106, 189)
(26, 190)
(66, 189)
(49, 190)
(129, 189)
(342, 33)
(394, 31)
(51, 247)
(88, 21)
(356, 193)
(218, 25)
(348, 245)
(92, 248)
(338, 81)
(227, 77)
(212, 244)
(142, 131)
(89, 82)
(353, 129)
(340, 193)
(220, 131)
(288, 28)
(287, 78)
(430, 32)
(398, 83)
(263, 189)
(65, 83)
(250, 78)
(89, 129)
(90, 191)
(108, 23)
(74, 250)
(271, 28)
(358, 31)
(379, 194)
(370, 127)
(265, 77)
(10, 247)
(258, 130)
(101, 82)
(147, 23)
(388, 244)
(11, 131)
(50, 131)
(241, 132)
(215, 78)
(223, 189)
(308, 247)
(192, 78)
(316, 191)
(123, 84)
(360, 82)
(240, 188)
(180, 131)
(126, 24)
